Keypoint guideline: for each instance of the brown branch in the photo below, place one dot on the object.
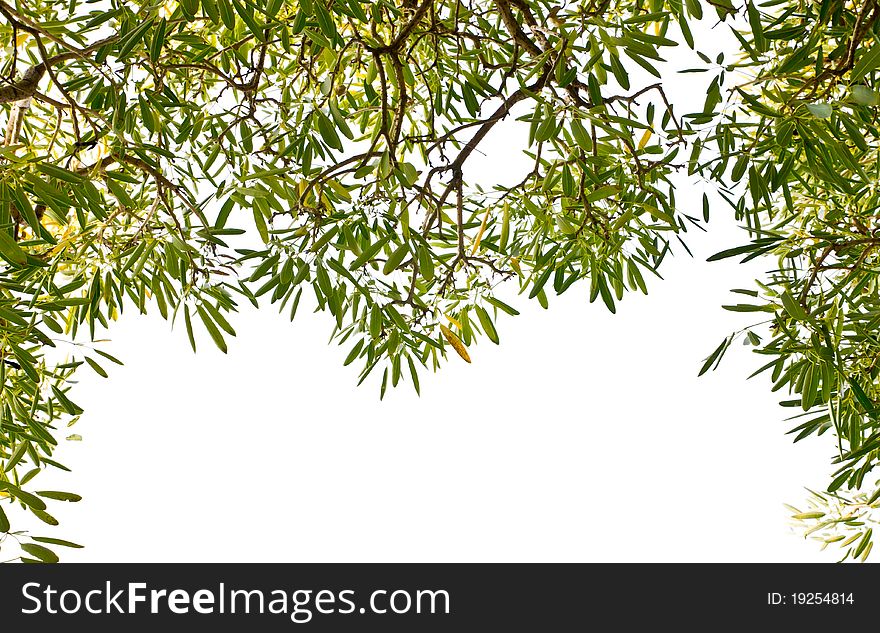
(816, 267)
(383, 82)
(16, 119)
(459, 209)
(247, 86)
(659, 88)
(485, 127)
(404, 33)
(160, 179)
(27, 85)
(521, 39)
(402, 98)
(859, 30)
(515, 30)
(27, 25)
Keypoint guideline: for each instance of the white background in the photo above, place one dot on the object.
(584, 436)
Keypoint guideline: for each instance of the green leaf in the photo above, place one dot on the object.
(218, 318)
(60, 173)
(260, 223)
(23, 204)
(802, 516)
(811, 387)
(839, 481)
(714, 356)
(59, 496)
(210, 9)
(486, 322)
(502, 306)
(16, 456)
(865, 96)
(339, 119)
(216, 336)
(327, 131)
(132, 39)
(866, 539)
(190, 8)
(395, 258)
(733, 252)
(426, 264)
(376, 321)
(10, 250)
(792, 306)
(189, 328)
(354, 353)
(226, 14)
(605, 293)
(581, 137)
(35, 503)
(38, 551)
(820, 110)
(120, 194)
(546, 130)
(65, 402)
(325, 22)
(757, 29)
(414, 374)
(864, 401)
(44, 516)
(601, 193)
(158, 41)
(247, 15)
(369, 253)
(868, 61)
(748, 307)
(112, 359)
(96, 367)
(56, 541)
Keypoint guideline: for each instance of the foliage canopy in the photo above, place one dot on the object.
(189, 155)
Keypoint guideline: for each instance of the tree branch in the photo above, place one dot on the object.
(27, 85)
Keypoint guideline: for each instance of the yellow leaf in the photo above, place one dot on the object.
(456, 343)
(454, 322)
(514, 261)
(480, 232)
(167, 9)
(102, 150)
(645, 138)
(337, 187)
(64, 239)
